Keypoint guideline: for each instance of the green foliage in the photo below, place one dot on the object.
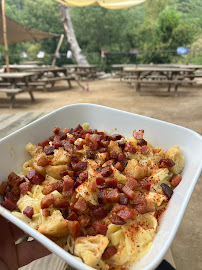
(155, 28)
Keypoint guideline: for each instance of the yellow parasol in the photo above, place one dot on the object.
(110, 4)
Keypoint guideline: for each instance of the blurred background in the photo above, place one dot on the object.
(148, 33)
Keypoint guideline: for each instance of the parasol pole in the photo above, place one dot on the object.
(5, 35)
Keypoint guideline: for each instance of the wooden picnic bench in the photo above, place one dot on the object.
(12, 80)
(52, 80)
(175, 83)
(51, 75)
(11, 93)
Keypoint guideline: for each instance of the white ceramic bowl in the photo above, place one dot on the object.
(157, 132)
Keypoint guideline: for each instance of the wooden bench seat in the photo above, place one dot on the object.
(175, 83)
(4, 84)
(31, 84)
(52, 80)
(11, 93)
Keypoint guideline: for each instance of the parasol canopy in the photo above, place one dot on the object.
(110, 4)
(18, 33)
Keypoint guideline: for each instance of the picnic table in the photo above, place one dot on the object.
(161, 75)
(19, 68)
(8, 124)
(83, 71)
(15, 83)
(50, 75)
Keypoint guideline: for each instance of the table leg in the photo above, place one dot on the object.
(31, 95)
(69, 83)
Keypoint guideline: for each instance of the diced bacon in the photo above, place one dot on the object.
(100, 181)
(47, 201)
(93, 138)
(109, 252)
(69, 147)
(81, 205)
(84, 220)
(74, 229)
(115, 137)
(14, 179)
(117, 208)
(118, 166)
(68, 185)
(66, 130)
(120, 187)
(100, 228)
(93, 187)
(123, 160)
(79, 166)
(74, 158)
(144, 149)
(56, 130)
(141, 208)
(91, 231)
(60, 203)
(112, 155)
(25, 187)
(35, 178)
(70, 173)
(145, 185)
(139, 200)
(121, 144)
(129, 192)
(102, 197)
(142, 142)
(28, 211)
(125, 214)
(77, 183)
(90, 155)
(113, 196)
(138, 134)
(10, 205)
(3, 187)
(58, 185)
(45, 212)
(11, 196)
(176, 180)
(166, 163)
(100, 212)
(57, 142)
(43, 161)
(112, 183)
(63, 138)
(73, 216)
(123, 200)
(106, 171)
(15, 190)
(116, 220)
(44, 143)
(104, 143)
(83, 176)
(130, 148)
(49, 150)
(132, 183)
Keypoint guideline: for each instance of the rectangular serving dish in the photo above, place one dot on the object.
(157, 132)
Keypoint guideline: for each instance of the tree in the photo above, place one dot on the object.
(71, 38)
(161, 38)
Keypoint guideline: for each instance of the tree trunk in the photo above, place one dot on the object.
(71, 38)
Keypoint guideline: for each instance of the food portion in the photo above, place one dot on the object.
(98, 196)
